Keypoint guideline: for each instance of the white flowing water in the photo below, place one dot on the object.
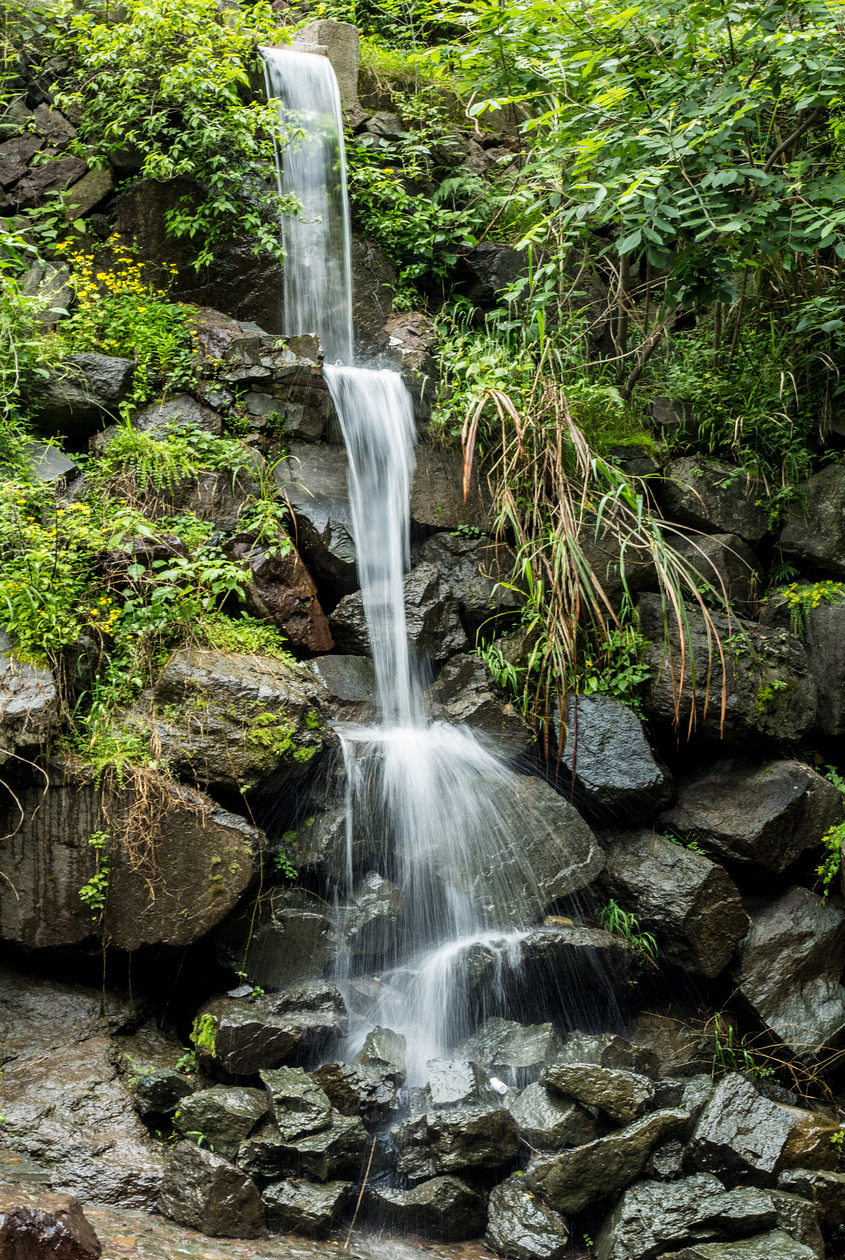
(451, 819)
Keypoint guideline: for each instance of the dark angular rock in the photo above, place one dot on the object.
(509, 1049)
(236, 720)
(288, 1027)
(15, 156)
(433, 620)
(447, 1140)
(493, 267)
(374, 281)
(728, 564)
(222, 1116)
(159, 1091)
(479, 575)
(815, 535)
(444, 1208)
(80, 392)
(715, 498)
(48, 463)
(286, 937)
(465, 693)
(690, 1093)
(743, 1134)
(332, 1153)
(408, 340)
(304, 1207)
(621, 1095)
(689, 903)
(320, 844)
(799, 1219)
(350, 688)
(547, 1121)
(48, 177)
(616, 774)
(667, 1162)
(522, 1228)
(28, 703)
(372, 922)
(169, 415)
(281, 590)
(769, 691)
(607, 1050)
(35, 1225)
(789, 968)
(822, 631)
(668, 1047)
(385, 1050)
(452, 1082)
(653, 1217)
(53, 126)
(775, 1246)
(312, 480)
(573, 1180)
(208, 1194)
(299, 1105)
(367, 1091)
(437, 498)
(755, 813)
(825, 1190)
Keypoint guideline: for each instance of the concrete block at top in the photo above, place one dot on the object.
(340, 40)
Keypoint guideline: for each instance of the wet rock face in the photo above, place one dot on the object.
(623, 1096)
(690, 904)
(725, 560)
(823, 635)
(815, 536)
(183, 847)
(368, 1091)
(433, 621)
(755, 813)
(208, 1194)
(824, 1190)
(38, 1226)
(443, 1208)
(281, 590)
(769, 691)
(616, 774)
(383, 1050)
(305, 1207)
(479, 574)
(450, 1139)
(64, 1100)
(85, 390)
(789, 969)
(437, 497)
(573, 1180)
(224, 1115)
(331, 1153)
(715, 498)
(521, 1227)
(235, 720)
(312, 480)
(546, 1120)
(286, 937)
(742, 1134)
(775, 1246)
(244, 1035)
(28, 703)
(298, 1104)
(372, 922)
(466, 693)
(518, 1053)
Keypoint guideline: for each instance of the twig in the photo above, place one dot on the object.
(361, 1195)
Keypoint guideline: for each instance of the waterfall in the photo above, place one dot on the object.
(458, 829)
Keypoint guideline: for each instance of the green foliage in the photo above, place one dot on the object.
(615, 667)
(21, 342)
(729, 1055)
(93, 894)
(204, 1032)
(829, 869)
(282, 859)
(136, 461)
(172, 79)
(802, 597)
(276, 733)
(243, 634)
(188, 1063)
(614, 919)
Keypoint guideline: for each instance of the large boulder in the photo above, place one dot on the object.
(715, 498)
(821, 627)
(372, 921)
(409, 340)
(466, 693)
(437, 498)
(546, 1121)
(66, 1105)
(789, 968)
(765, 681)
(320, 844)
(281, 590)
(169, 866)
(313, 481)
(742, 1134)
(777, 1245)
(36, 1225)
(332, 1153)
(81, 393)
(432, 618)
(210, 1195)
(28, 703)
(522, 1228)
(824, 1190)
(573, 1180)
(690, 904)
(243, 1034)
(620, 1094)
(281, 938)
(222, 1117)
(237, 721)
(814, 535)
(479, 576)
(299, 1106)
(443, 1208)
(728, 564)
(517, 1052)
(451, 1139)
(607, 762)
(755, 814)
(366, 1090)
(306, 1207)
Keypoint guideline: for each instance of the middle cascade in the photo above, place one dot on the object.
(457, 827)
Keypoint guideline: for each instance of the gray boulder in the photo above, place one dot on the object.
(775, 1246)
(479, 575)
(821, 628)
(546, 1121)
(450, 1139)
(815, 534)
(517, 1052)
(320, 844)
(48, 463)
(769, 692)
(799, 1219)
(824, 1190)
(465, 693)
(372, 922)
(522, 1228)
(171, 414)
(573, 1180)
(208, 1194)
(437, 499)
(349, 684)
(444, 1208)
(298, 1104)
(621, 1095)
(369, 1091)
(788, 972)
(80, 392)
(243, 1035)
(306, 1207)
(28, 703)
(340, 42)
(313, 481)
(452, 1082)
(236, 721)
(755, 813)
(385, 1050)
(616, 774)
(221, 1117)
(742, 1134)
(715, 498)
(432, 615)
(690, 904)
(728, 564)
(35, 1224)
(282, 938)
(333, 1153)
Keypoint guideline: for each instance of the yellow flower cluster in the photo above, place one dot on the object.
(103, 615)
(800, 596)
(125, 277)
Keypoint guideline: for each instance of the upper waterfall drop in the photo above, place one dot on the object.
(318, 269)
